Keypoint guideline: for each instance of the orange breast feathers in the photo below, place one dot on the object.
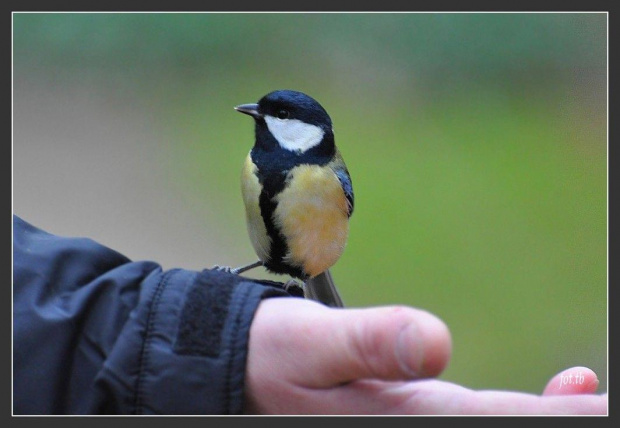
(312, 213)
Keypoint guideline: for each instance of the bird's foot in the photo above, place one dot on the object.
(226, 269)
(294, 288)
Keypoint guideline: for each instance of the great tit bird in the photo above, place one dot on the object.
(297, 192)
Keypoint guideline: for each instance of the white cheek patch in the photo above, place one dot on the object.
(293, 134)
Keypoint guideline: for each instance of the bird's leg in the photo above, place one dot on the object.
(240, 269)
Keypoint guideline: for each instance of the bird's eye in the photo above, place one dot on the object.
(283, 114)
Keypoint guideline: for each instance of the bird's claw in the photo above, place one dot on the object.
(294, 288)
(226, 269)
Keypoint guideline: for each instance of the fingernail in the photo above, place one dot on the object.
(410, 350)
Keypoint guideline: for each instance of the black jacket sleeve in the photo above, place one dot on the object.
(95, 333)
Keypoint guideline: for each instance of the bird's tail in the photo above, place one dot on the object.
(323, 289)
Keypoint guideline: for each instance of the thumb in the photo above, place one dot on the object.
(387, 343)
(334, 346)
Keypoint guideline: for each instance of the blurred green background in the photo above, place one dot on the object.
(477, 145)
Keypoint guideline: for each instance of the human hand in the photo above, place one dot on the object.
(305, 358)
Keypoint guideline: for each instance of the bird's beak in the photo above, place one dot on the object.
(250, 109)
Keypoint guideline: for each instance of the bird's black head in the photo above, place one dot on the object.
(287, 104)
(291, 120)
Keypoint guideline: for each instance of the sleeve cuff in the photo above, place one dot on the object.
(190, 337)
